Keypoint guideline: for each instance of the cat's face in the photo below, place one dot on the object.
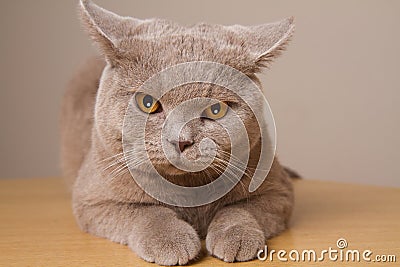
(117, 88)
(190, 104)
(136, 50)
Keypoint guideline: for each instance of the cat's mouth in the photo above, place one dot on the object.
(181, 172)
(179, 165)
(187, 178)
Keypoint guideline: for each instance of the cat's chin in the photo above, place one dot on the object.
(165, 170)
(170, 170)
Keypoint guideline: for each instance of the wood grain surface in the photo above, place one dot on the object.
(37, 227)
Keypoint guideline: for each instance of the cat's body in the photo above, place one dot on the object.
(107, 202)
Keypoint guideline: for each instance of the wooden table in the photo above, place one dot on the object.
(37, 227)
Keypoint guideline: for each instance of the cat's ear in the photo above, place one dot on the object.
(271, 39)
(105, 27)
(267, 41)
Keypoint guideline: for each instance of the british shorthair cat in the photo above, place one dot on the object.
(107, 201)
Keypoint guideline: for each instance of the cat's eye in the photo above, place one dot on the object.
(147, 103)
(216, 111)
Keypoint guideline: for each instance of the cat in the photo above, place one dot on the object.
(107, 202)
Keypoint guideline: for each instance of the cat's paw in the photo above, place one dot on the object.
(235, 243)
(169, 243)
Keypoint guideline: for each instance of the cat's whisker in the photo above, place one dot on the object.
(125, 165)
(240, 167)
(221, 170)
(115, 171)
(112, 157)
(208, 176)
(121, 172)
(249, 170)
(218, 173)
(249, 166)
(125, 157)
(136, 163)
(117, 159)
(225, 166)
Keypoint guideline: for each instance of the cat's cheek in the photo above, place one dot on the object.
(109, 133)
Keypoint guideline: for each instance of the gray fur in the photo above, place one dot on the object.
(108, 203)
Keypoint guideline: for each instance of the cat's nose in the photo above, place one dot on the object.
(181, 145)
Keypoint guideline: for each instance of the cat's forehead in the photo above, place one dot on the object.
(191, 91)
(159, 44)
(159, 28)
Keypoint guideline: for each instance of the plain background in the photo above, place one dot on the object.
(334, 93)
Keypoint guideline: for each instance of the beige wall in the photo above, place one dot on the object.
(335, 93)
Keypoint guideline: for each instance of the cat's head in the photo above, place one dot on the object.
(135, 50)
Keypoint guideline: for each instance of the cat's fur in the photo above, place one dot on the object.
(110, 204)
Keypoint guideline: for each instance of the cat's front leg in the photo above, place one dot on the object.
(160, 236)
(234, 235)
(239, 231)
(154, 233)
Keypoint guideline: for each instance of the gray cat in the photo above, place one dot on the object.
(107, 202)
